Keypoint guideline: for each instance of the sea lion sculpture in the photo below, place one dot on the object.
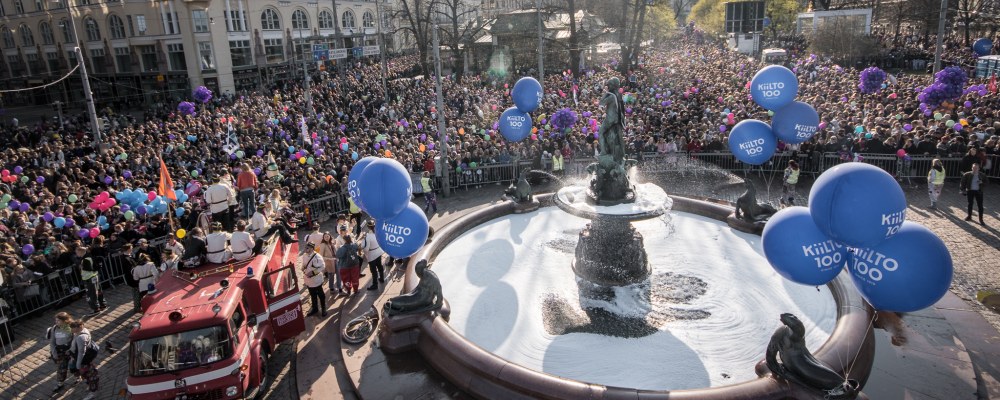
(799, 366)
(425, 297)
(520, 191)
(748, 209)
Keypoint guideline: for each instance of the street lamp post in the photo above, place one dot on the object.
(445, 184)
(381, 51)
(88, 95)
(940, 36)
(541, 44)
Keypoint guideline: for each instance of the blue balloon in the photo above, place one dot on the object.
(354, 155)
(385, 188)
(774, 87)
(527, 94)
(982, 46)
(752, 142)
(795, 123)
(907, 272)
(857, 204)
(404, 234)
(179, 212)
(797, 249)
(102, 220)
(515, 125)
(353, 187)
(59, 222)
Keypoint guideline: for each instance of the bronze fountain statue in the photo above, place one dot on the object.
(425, 297)
(610, 185)
(749, 210)
(798, 365)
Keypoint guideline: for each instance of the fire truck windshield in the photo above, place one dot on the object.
(178, 351)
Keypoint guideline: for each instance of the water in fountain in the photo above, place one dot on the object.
(702, 318)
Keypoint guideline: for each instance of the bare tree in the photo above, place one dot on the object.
(459, 28)
(681, 8)
(973, 12)
(840, 39)
(416, 22)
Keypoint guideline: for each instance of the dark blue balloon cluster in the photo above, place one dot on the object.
(949, 84)
(186, 107)
(202, 94)
(871, 80)
(564, 119)
(952, 76)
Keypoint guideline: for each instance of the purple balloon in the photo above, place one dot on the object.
(24, 207)
(383, 142)
(423, 137)
(18, 170)
(378, 146)
(141, 210)
(170, 136)
(48, 216)
(968, 104)
(28, 249)
(40, 179)
(82, 233)
(256, 171)
(293, 157)
(108, 180)
(430, 145)
(260, 153)
(127, 174)
(232, 156)
(125, 207)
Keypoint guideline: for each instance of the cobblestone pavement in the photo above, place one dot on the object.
(29, 374)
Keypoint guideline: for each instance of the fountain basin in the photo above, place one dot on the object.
(486, 375)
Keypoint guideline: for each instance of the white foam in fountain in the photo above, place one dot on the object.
(649, 198)
(497, 276)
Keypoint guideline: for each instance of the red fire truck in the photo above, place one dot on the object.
(206, 333)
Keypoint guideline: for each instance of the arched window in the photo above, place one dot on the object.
(93, 31)
(116, 27)
(46, 31)
(8, 38)
(300, 20)
(269, 20)
(368, 20)
(347, 19)
(325, 20)
(26, 38)
(67, 31)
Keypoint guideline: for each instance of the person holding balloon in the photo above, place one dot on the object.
(935, 181)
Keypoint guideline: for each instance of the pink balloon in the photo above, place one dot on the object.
(900, 153)
(111, 202)
(95, 232)
(151, 195)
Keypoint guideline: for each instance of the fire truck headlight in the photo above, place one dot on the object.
(231, 391)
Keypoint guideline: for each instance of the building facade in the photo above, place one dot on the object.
(148, 51)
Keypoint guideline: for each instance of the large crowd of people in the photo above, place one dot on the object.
(681, 96)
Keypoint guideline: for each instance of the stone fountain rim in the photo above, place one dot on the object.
(486, 375)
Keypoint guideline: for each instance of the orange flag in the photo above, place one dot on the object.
(166, 185)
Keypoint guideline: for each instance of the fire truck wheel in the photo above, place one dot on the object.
(262, 387)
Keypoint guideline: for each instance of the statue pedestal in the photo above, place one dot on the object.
(526, 206)
(610, 252)
(753, 227)
(400, 333)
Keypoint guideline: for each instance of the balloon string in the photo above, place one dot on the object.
(847, 373)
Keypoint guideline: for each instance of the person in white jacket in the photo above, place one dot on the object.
(314, 269)
(242, 243)
(217, 245)
(373, 254)
(218, 197)
(146, 273)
